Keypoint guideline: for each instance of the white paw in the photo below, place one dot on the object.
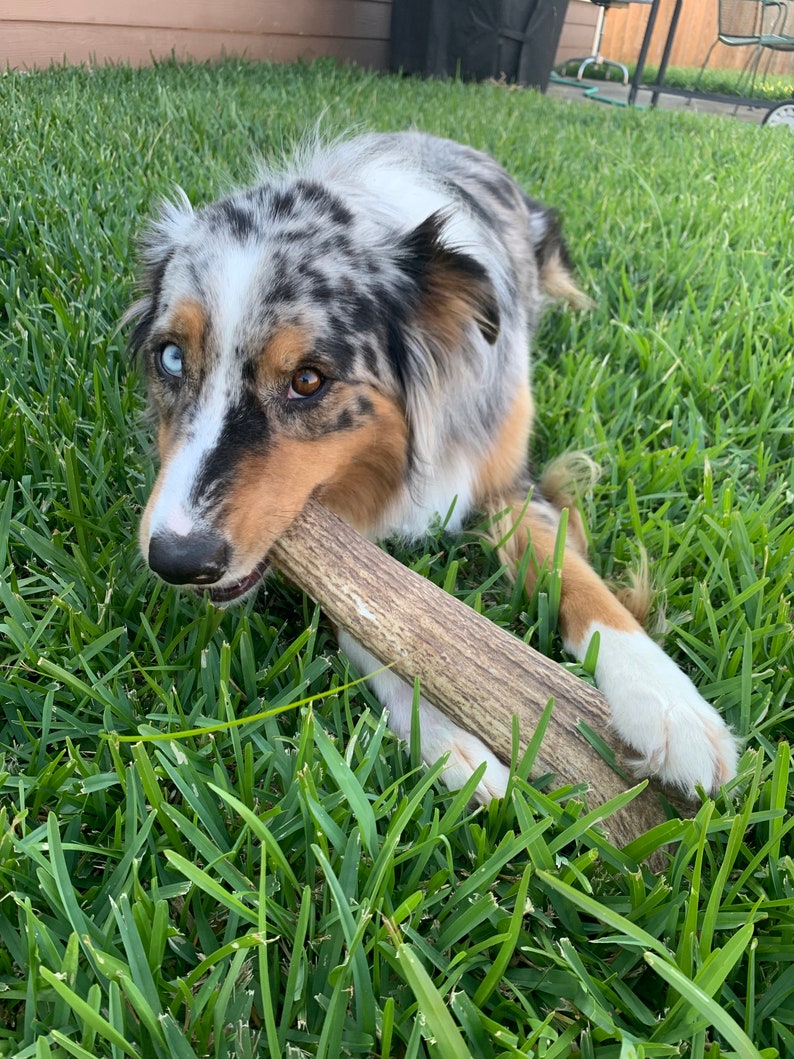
(657, 711)
(439, 735)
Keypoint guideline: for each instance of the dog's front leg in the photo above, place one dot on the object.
(438, 733)
(655, 707)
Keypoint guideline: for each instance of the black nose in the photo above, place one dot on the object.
(197, 559)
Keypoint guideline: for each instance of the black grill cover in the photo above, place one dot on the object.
(477, 39)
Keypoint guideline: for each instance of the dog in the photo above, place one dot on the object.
(356, 327)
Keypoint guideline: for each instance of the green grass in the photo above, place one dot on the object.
(765, 85)
(299, 885)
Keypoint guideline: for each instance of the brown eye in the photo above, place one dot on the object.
(305, 383)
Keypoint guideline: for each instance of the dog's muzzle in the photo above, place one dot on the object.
(201, 560)
(196, 559)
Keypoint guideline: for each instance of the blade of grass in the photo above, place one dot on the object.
(705, 1005)
(435, 1017)
(631, 933)
(92, 1018)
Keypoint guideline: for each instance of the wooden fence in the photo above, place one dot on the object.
(697, 30)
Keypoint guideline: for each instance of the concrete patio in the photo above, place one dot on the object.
(593, 93)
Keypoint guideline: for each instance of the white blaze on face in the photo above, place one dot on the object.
(240, 275)
(171, 510)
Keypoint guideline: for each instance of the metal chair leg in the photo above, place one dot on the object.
(599, 60)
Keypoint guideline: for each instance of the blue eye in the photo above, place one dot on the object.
(169, 361)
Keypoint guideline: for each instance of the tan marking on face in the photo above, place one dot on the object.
(288, 350)
(373, 469)
(500, 467)
(165, 446)
(584, 597)
(355, 473)
(165, 442)
(144, 534)
(189, 324)
(186, 327)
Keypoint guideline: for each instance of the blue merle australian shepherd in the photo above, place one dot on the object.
(356, 327)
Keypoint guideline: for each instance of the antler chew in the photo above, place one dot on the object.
(477, 673)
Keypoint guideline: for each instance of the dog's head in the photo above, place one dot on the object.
(282, 338)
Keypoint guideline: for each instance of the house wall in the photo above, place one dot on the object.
(579, 32)
(38, 32)
(624, 29)
(34, 33)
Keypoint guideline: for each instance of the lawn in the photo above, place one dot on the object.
(291, 881)
(765, 85)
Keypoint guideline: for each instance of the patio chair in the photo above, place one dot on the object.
(739, 25)
(598, 59)
(777, 33)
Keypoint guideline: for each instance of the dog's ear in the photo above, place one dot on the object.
(156, 248)
(451, 288)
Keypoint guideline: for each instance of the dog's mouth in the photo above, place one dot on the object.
(221, 594)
